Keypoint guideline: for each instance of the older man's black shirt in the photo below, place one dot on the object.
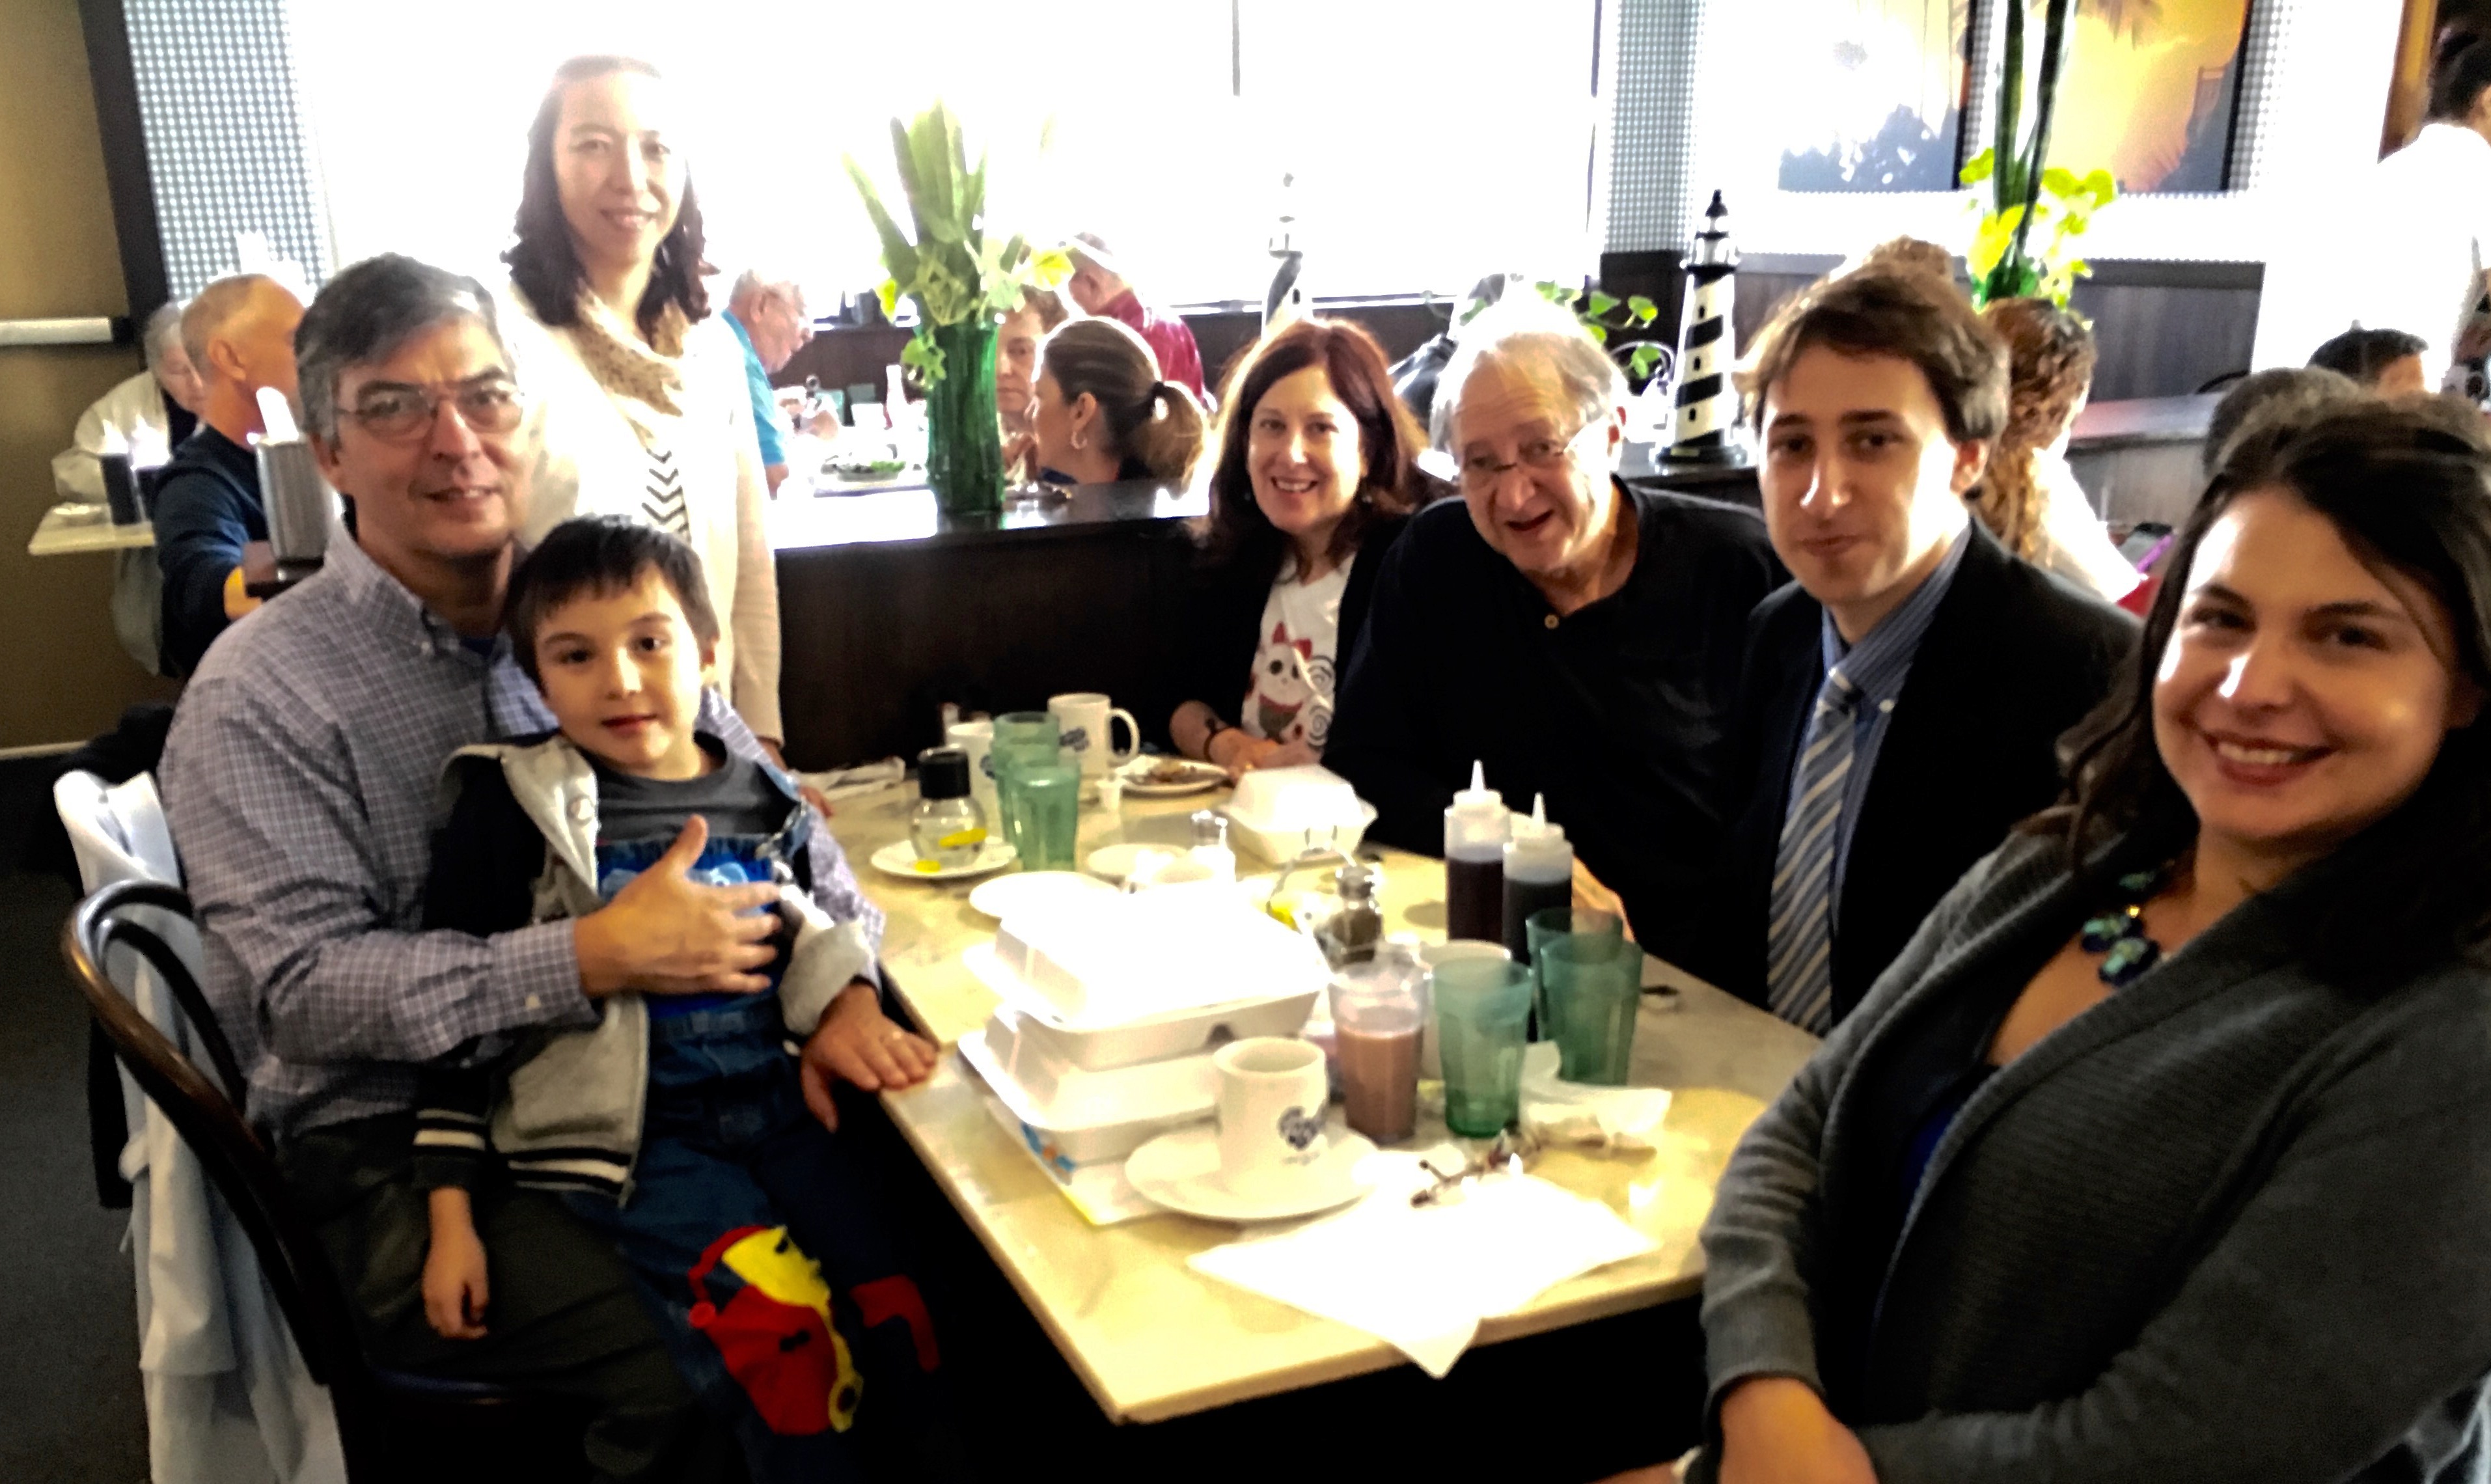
(1616, 712)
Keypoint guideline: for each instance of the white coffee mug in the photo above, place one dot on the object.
(977, 739)
(1084, 717)
(1271, 1095)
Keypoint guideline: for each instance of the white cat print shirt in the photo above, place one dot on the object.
(1289, 696)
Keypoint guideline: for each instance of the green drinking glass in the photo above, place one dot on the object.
(1590, 988)
(1041, 807)
(1482, 1005)
(1026, 736)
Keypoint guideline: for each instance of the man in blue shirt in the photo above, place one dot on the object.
(771, 321)
(1900, 702)
(239, 334)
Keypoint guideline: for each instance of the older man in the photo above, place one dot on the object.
(1903, 699)
(768, 315)
(239, 331)
(1098, 286)
(300, 779)
(155, 409)
(1579, 638)
(146, 417)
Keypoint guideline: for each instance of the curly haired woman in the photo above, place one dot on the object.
(2029, 498)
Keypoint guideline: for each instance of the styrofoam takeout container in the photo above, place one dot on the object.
(1094, 964)
(1151, 1038)
(1276, 811)
(1086, 1117)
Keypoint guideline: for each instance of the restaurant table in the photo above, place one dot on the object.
(55, 537)
(1151, 1338)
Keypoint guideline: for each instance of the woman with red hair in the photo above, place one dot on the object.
(1315, 478)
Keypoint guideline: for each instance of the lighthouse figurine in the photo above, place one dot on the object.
(1707, 405)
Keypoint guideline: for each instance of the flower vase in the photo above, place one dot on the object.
(964, 450)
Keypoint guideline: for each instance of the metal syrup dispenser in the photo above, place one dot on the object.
(300, 504)
(1539, 874)
(1475, 831)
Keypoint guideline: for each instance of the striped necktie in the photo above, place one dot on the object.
(1798, 937)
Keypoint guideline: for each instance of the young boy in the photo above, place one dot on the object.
(680, 1123)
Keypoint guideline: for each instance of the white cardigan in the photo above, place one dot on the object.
(2075, 543)
(590, 462)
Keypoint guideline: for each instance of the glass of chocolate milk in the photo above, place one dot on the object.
(1377, 1016)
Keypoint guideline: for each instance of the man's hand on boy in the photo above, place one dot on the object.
(666, 934)
(858, 1042)
(454, 1289)
(820, 801)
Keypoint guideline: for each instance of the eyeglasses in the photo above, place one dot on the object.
(404, 413)
(1544, 455)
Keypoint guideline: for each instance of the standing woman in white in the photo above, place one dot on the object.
(642, 397)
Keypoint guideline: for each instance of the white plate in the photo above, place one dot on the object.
(1005, 895)
(900, 858)
(1200, 779)
(1179, 1170)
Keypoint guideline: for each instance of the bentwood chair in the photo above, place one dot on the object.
(392, 1426)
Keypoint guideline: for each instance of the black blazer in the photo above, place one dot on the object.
(2012, 658)
(1225, 618)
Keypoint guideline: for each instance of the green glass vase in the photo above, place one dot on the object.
(964, 448)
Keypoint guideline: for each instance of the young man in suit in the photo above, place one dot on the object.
(1901, 701)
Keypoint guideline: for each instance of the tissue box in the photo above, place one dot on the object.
(1274, 809)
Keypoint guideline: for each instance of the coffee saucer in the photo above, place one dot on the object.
(900, 858)
(1179, 1170)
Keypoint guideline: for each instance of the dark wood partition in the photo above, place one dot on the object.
(878, 632)
(2166, 329)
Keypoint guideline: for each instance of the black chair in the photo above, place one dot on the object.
(392, 1425)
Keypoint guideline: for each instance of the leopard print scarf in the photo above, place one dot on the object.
(629, 370)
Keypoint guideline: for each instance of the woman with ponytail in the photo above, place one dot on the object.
(1100, 411)
(2028, 497)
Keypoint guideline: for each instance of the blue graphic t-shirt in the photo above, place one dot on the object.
(638, 818)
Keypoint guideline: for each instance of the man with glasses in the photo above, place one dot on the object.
(1579, 639)
(770, 319)
(239, 334)
(300, 779)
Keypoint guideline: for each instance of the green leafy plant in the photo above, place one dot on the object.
(2025, 244)
(953, 270)
(1601, 314)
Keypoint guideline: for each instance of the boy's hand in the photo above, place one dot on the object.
(856, 1041)
(454, 1291)
(666, 934)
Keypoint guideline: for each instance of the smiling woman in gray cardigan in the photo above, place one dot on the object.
(2047, 1209)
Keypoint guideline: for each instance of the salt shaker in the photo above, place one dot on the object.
(1211, 845)
(1355, 928)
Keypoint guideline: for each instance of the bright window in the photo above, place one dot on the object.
(1428, 141)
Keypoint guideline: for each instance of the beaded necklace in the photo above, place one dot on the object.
(2119, 935)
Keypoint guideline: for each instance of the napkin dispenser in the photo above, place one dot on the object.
(301, 506)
